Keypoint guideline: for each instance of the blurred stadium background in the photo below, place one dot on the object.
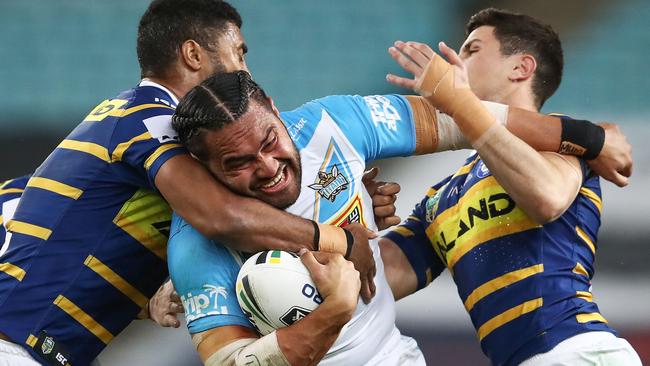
(59, 59)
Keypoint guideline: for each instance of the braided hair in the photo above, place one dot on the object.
(219, 100)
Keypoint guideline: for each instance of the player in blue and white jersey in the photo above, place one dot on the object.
(310, 161)
(516, 228)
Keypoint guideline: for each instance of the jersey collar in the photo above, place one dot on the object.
(147, 82)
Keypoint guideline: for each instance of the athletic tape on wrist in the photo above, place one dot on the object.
(581, 138)
(437, 85)
(332, 239)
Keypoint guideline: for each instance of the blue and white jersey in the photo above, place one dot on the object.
(336, 136)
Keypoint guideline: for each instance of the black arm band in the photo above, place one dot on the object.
(316, 241)
(581, 138)
(350, 241)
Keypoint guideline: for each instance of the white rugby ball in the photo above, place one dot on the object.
(275, 290)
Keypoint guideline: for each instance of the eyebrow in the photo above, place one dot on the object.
(244, 158)
(470, 43)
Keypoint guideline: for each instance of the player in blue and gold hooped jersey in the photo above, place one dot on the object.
(10, 192)
(517, 229)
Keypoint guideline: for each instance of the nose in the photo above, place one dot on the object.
(267, 166)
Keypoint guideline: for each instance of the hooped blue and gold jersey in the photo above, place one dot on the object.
(88, 238)
(526, 287)
(10, 192)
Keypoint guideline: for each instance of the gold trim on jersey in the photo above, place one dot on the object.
(28, 229)
(139, 215)
(485, 212)
(12, 270)
(141, 107)
(54, 186)
(585, 295)
(105, 109)
(590, 317)
(83, 318)
(86, 147)
(352, 209)
(120, 149)
(508, 316)
(580, 269)
(414, 218)
(403, 231)
(116, 280)
(1, 218)
(156, 154)
(500, 282)
(10, 190)
(593, 197)
(5, 183)
(465, 168)
(31, 340)
(586, 239)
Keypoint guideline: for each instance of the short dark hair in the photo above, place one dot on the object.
(219, 100)
(166, 24)
(520, 33)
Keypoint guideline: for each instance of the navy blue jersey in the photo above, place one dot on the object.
(10, 192)
(88, 238)
(526, 287)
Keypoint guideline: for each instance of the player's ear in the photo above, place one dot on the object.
(191, 54)
(275, 109)
(524, 68)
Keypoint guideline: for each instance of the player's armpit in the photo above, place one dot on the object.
(399, 273)
(245, 224)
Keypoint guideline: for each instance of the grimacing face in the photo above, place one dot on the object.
(255, 157)
(488, 70)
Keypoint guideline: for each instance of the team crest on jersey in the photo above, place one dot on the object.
(432, 206)
(330, 184)
(351, 213)
(482, 171)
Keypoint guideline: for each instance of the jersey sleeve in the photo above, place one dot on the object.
(379, 126)
(204, 274)
(145, 140)
(411, 237)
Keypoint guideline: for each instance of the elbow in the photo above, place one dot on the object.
(546, 208)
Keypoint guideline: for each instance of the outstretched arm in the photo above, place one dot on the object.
(612, 152)
(543, 185)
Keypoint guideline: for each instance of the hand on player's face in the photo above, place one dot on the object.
(414, 57)
(614, 163)
(333, 276)
(383, 196)
(255, 157)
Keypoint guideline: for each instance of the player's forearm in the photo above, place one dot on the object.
(216, 212)
(400, 276)
(541, 132)
(307, 341)
(532, 180)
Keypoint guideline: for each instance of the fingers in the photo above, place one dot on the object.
(620, 180)
(401, 81)
(370, 175)
(308, 259)
(390, 188)
(365, 293)
(379, 199)
(372, 287)
(386, 222)
(384, 211)
(450, 54)
(170, 320)
(418, 57)
(405, 61)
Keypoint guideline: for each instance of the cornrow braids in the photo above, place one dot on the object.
(219, 100)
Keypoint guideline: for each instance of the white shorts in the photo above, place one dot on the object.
(588, 349)
(12, 354)
(399, 351)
